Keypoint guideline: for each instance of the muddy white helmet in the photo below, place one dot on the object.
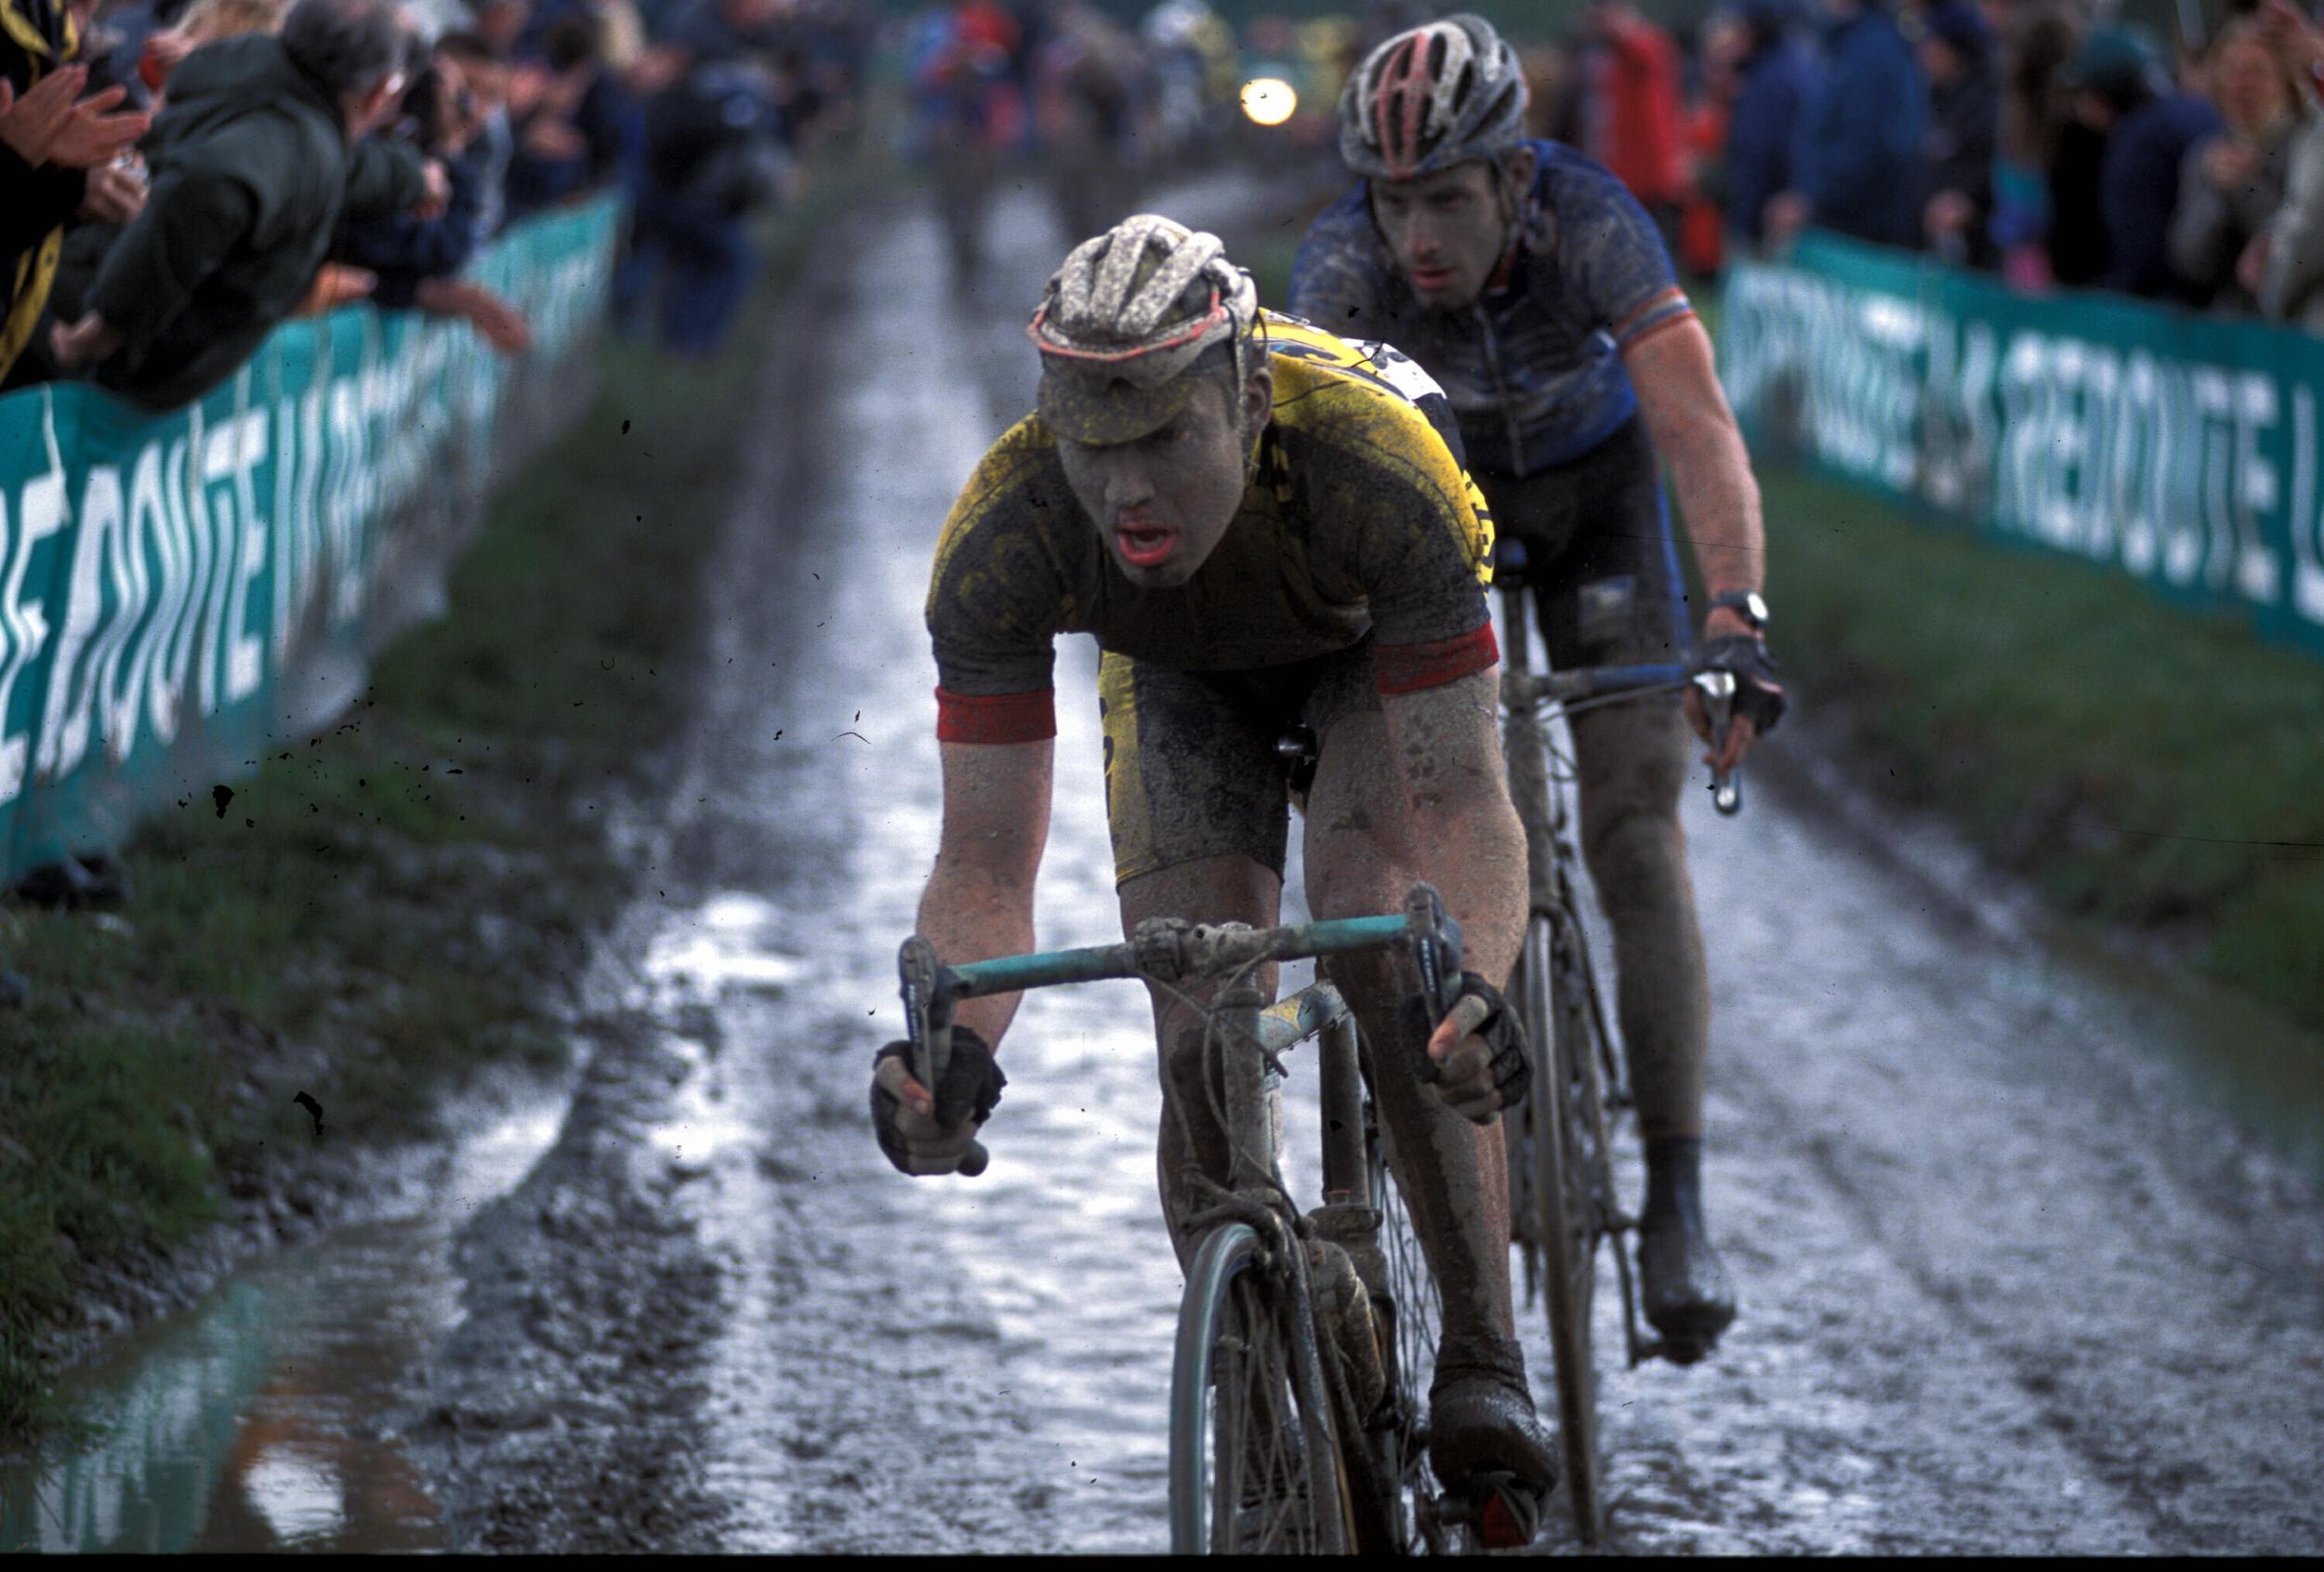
(1130, 313)
(1431, 98)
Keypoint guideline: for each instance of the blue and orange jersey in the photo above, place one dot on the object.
(1535, 372)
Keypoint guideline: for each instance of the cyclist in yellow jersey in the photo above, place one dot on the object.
(1263, 528)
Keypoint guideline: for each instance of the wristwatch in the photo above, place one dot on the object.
(1747, 604)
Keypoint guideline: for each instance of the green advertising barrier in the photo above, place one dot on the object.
(2179, 449)
(180, 593)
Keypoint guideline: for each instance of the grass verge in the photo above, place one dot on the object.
(2149, 769)
(383, 910)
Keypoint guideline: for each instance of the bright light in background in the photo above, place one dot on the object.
(1270, 101)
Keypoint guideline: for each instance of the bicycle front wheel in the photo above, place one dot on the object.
(1246, 1476)
(1562, 1215)
(1415, 1312)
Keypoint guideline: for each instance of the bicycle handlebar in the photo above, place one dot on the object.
(1717, 689)
(1171, 950)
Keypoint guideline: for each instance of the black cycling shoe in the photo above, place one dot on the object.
(1485, 1442)
(1689, 1299)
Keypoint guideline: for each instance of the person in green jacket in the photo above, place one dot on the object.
(258, 152)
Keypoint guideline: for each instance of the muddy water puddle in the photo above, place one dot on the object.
(254, 1421)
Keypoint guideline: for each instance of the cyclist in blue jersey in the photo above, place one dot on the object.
(1534, 289)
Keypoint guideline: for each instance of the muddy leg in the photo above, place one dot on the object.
(1634, 759)
(1454, 1174)
(1222, 888)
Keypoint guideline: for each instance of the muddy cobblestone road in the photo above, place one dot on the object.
(2005, 1287)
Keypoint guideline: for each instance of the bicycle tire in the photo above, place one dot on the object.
(1415, 1307)
(1565, 1221)
(1238, 1430)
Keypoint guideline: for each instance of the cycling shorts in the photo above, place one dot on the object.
(1598, 553)
(1191, 765)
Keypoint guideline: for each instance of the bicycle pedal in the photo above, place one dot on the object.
(1501, 1512)
(1500, 1528)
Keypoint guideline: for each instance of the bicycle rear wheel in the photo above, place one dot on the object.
(1559, 1148)
(1245, 1475)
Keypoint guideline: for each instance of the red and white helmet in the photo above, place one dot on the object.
(1431, 98)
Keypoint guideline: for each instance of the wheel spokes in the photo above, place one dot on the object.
(1264, 1499)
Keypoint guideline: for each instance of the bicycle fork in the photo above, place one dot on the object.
(1252, 1177)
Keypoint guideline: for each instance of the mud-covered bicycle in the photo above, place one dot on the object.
(1306, 1338)
(1563, 1201)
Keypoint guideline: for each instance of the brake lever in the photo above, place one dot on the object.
(1717, 689)
(928, 988)
(1436, 952)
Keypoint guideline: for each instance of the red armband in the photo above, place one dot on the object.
(1408, 669)
(996, 718)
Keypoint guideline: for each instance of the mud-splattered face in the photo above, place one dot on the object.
(1163, 501)
(1447, 231)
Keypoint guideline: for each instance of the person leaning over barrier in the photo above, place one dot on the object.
(1260, 531)
(261, 151)
(1536, 290)
(416, 262)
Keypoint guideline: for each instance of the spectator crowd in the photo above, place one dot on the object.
(2034, 138)
(178, 176)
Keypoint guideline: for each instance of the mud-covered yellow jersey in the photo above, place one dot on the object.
(1359, 520)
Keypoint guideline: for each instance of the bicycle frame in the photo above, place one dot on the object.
(1550, 857)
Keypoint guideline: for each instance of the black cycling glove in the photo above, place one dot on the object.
(965, 1099)
(1758, 697)
(1502, 1031)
